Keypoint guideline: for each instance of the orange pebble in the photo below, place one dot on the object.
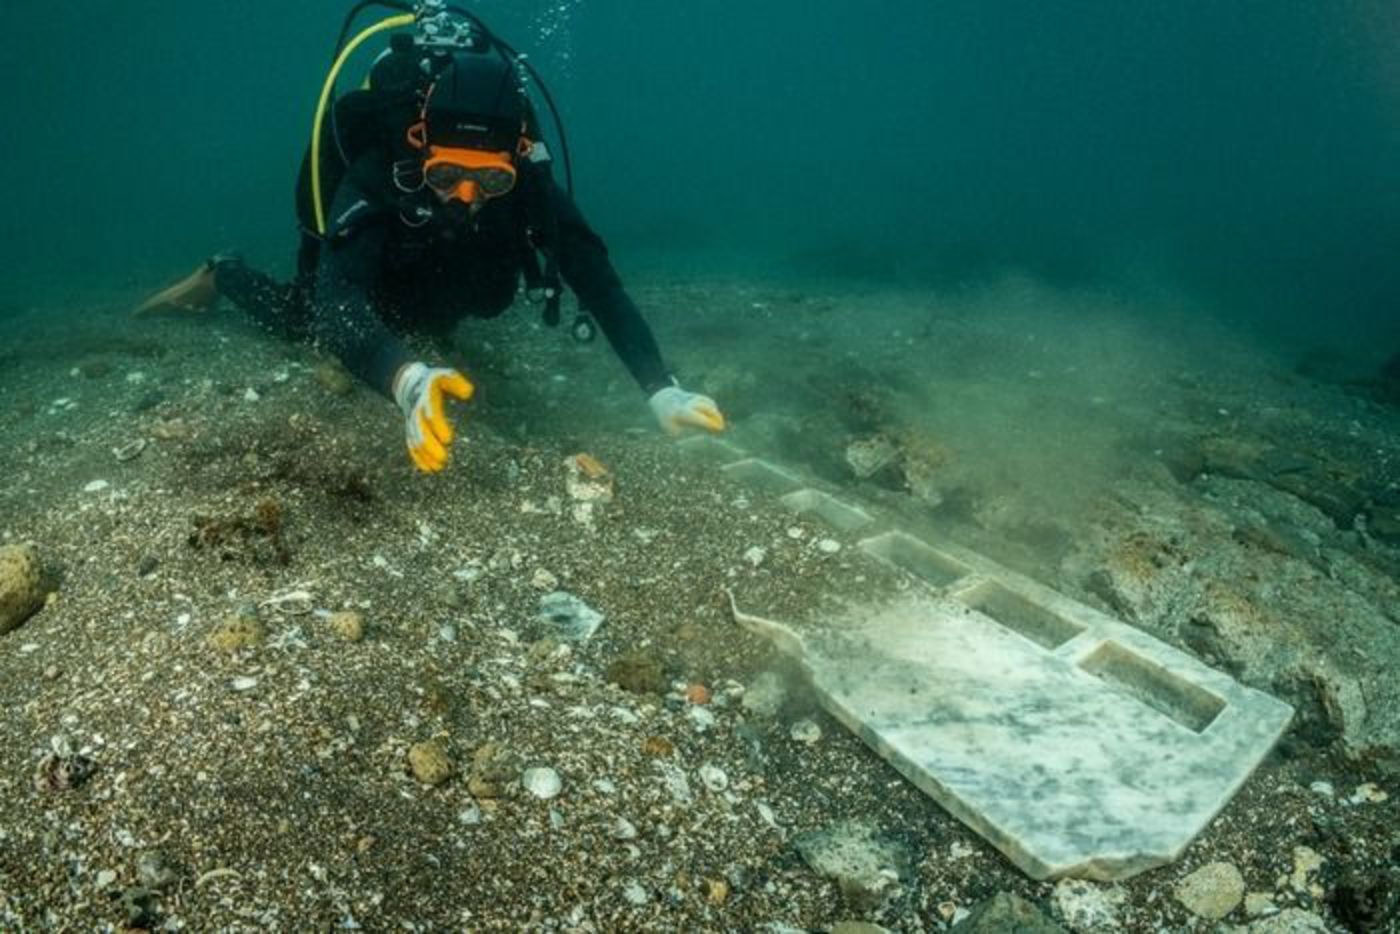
(697, 693)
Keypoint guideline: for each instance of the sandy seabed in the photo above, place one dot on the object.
(177, 474)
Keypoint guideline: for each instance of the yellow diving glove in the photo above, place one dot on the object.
(419, 390)
(677, 410)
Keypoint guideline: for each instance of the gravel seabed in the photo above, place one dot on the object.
(175, 474)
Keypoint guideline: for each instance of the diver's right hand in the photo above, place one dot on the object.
(419, 390)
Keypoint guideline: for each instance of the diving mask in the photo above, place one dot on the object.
(469, 175)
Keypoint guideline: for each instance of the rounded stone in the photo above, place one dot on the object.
(429, 763)
(347, 624)
(1211, 892)
(542, 782)
(21, 585)
(242, 630)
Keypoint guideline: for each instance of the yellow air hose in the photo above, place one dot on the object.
(393, 22)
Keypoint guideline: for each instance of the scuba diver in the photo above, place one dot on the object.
(441, 201)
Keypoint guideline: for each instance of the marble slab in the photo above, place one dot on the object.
(1073, 743)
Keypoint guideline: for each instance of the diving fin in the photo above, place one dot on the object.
(194, 293)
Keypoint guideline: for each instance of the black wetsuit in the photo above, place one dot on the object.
(395, 262)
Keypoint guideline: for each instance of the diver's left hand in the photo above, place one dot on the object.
(677, 410)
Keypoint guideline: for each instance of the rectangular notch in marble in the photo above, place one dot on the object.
(917, 558)
(1015, 612)
(1172, 696)
(827, 508)
(762, 476)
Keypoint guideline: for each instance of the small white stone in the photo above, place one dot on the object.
(470, 815)
(623, 829)
(794, 532)
(1368, 793)
(544, 580)
(701, 717)
(542, 782)
(713, 777)
(105, 878)
(136, 376)
(634, 893)
(243, 683)
(447, 632)
(805, 731)
(96, 486)
(755, 555)
(251, 395)
(829, 546)
(1322, 788)
(28, 647)
(604, 786)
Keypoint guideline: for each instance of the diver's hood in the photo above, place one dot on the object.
(477, 102)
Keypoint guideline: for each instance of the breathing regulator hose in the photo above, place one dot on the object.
(317, 202)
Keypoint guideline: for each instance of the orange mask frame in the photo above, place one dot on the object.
(468, 175)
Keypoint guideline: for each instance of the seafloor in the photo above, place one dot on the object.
(1232, 497)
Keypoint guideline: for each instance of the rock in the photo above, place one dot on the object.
(865, 867)
(1006, 911)
(1260, 904)
(542, 782)
(637, 672)
(242, 630)
(568, 617)
(1289, 921)
(347, 624)
(1306, 863)
(21, 585)
(333, 377)
(429, 763)
(868, 456)
(697, 693)
(494, 769)
(1211, 892)
(805, 731)
(713, 777)
(1088, 907)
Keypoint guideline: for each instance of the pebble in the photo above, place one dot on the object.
(697, 693)
(470, 815)
(1260, 905)
(429, 763)
(1306, 861)
(347, 624)
(634, 893)
(1322, 788)
(755, 555)
(251, 395)
(713, 777)
(544, 580)
(623, 829)
(1368, 793)
(1212, 891)
(243, 683)
(105, 878)
(805, 731)
(542, 782)
(130, 450)
(829, 546)
(96, 486)
(701, 717)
